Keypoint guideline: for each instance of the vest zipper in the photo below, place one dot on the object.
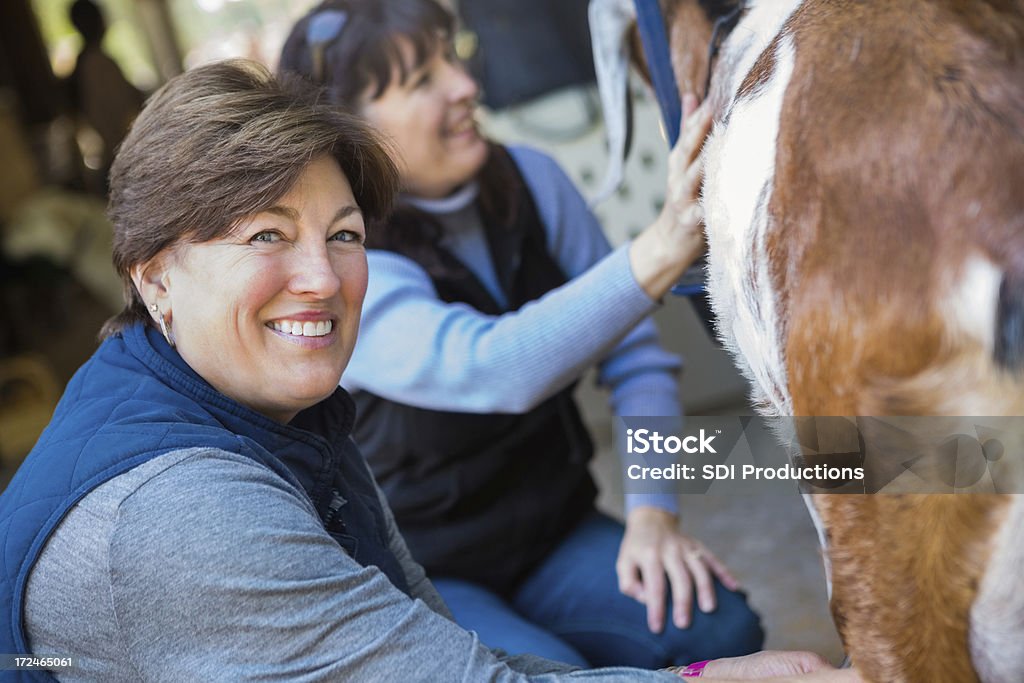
(332, 510)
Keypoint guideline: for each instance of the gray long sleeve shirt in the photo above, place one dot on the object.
(202, 565)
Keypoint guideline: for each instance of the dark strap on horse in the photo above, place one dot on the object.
(654, 37)
(651, 25)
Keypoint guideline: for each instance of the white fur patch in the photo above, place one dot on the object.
(997, 616)
(819, 526)
(739, 175)
(971, 302)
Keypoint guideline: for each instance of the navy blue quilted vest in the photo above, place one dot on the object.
(136, 399)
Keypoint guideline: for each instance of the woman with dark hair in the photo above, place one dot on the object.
(493, 289)
(196, 510)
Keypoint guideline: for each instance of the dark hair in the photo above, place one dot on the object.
(219, 143)
(88, 20)
(358, 58)
(364, 50)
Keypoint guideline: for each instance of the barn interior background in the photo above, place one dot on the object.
(533, 58)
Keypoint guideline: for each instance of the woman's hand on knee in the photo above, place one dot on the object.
(653, 548)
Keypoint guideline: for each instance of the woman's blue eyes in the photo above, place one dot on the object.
(271, 236)
(265, 236)
(346, 236)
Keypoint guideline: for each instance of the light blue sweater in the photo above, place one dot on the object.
(417, 349)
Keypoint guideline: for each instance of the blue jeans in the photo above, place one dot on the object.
(569, 609)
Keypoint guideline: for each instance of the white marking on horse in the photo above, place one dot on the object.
(739, 172)
(971, 302)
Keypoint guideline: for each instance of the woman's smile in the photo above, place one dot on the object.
(293, 328)
(462, 128)
(312, 331)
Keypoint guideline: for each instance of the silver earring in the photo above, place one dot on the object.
(155, 310)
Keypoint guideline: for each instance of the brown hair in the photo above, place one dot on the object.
(358, 60)
(222, 142)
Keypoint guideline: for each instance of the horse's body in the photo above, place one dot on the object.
(864, 201)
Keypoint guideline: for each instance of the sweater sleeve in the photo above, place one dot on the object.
(419, 350)
(220, 570)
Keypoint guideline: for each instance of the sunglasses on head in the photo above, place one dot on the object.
(322, 30)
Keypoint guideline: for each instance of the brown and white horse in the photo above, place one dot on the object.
(864, 203)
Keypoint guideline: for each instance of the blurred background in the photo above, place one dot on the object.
(69, 86)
